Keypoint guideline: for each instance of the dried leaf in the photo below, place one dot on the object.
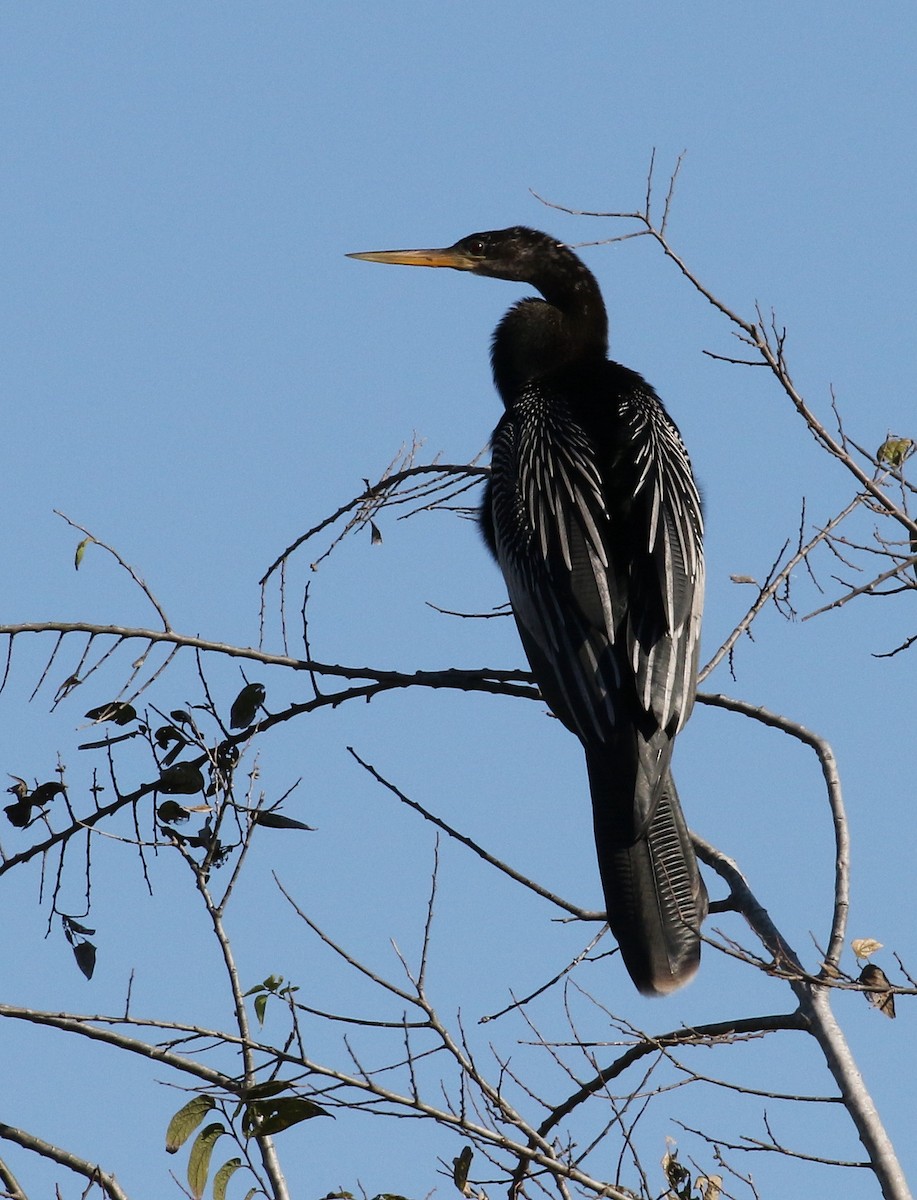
(375, 534)
(71, 682)
(677, 1176)
(20, 813)
(865, 947)
(880, 994)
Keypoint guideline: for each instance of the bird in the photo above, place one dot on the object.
(594, 517)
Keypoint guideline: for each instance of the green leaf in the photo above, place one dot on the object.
(227, 756)
(272, 984)
(199, 1158)
(115, 710)
(186, 1120)
(275, 820)
(894, 450)
(260, 1006)
(223, 1176)
(72, 925)
(19, 814)
(168, 733)
(460, 1168)
(80, 551)
(272, 1087)
(264, 1117)
(85, 955)
(181, 779)
(171, 810)
(246, 705)
(45, 793)
(170, 755)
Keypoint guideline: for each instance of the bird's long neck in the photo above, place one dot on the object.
(569, 327)
(574, 292)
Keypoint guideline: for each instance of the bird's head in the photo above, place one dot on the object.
(517, 253)
(535, 335)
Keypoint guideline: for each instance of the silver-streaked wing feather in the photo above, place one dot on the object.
(594, 600)
(667, 591)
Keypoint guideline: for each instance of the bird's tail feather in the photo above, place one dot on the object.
(654, 895)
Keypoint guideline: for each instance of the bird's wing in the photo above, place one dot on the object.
(603, 563)
(666, 592)
(547, 512)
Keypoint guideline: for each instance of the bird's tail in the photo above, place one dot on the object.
(654, 895)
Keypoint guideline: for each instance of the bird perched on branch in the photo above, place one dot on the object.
(594, 517)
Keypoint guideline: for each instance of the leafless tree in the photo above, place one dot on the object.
(556, 1100)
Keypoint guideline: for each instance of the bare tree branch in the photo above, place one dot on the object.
(91, 1171)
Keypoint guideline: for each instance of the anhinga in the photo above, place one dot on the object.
(594, 517)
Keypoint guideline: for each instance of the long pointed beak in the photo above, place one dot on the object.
(447, 257)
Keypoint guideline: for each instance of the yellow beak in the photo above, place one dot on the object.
(447, 257)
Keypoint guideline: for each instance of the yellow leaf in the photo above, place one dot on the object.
(80, 551)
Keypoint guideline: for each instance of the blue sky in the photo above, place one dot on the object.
(191, 368)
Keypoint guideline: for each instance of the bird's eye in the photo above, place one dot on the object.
(477, 247)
